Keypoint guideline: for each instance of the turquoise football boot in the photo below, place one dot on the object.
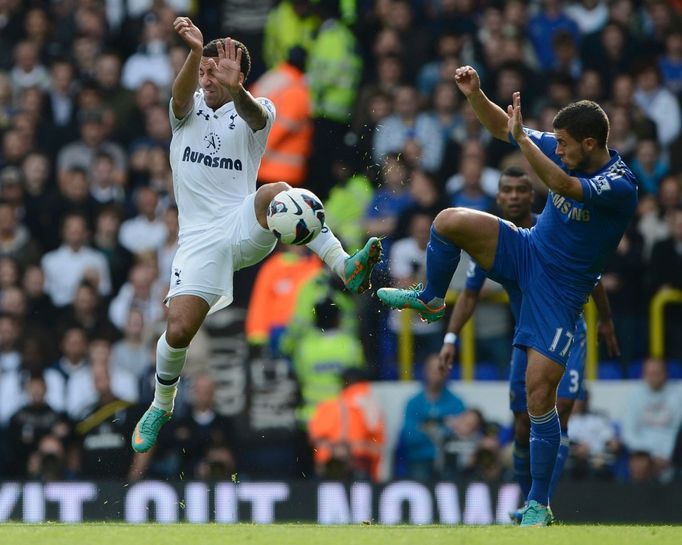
(357, 269)
(409, 298)
(147, 429)
(536, 514)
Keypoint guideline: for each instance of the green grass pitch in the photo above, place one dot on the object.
(304, 534)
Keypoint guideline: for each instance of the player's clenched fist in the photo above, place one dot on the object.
(189, 33)
(467, 80)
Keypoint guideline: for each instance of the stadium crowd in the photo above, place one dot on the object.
(370, 119)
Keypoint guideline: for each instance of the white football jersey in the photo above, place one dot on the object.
(215, 158)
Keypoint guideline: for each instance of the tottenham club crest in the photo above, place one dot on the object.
(212, 143)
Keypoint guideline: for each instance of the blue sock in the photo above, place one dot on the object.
(561, 457)
(521, 455)
(545, 436)
(442, 257)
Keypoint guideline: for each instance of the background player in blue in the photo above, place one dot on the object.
(556, 264)
(514, 200)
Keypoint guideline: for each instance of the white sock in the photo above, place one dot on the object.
(169, 364)
(329, 248)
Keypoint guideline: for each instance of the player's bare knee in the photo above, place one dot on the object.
(178, 334)
(541, 399)
(267, 192)
(447, 220)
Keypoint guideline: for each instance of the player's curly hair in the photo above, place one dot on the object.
(584, 119)
(211, 50)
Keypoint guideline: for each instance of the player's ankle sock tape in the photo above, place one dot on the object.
(442, 257)
(545, 436)
(169, 360)
(329, 248)
(521, 458)
(561, 458)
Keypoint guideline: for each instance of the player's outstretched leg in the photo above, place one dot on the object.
(442, 257)
(186, 313)
(357, 268)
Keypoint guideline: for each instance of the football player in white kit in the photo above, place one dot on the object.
(219, 135)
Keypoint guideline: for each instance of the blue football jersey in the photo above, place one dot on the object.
(574, 239)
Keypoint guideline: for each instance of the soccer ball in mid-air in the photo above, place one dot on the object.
(295, 216)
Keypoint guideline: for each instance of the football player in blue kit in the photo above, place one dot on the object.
(556, 264)
(514, 200)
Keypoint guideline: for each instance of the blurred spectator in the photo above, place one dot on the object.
(653, 224)
(28, 70)
(542, 27)
(658, 103)
(15, 239)
(320, 287)
(652, 416)
(290, 23)
(105, 429)
(203, 441)
(141, 292)
(407, 126)
(166, 252)
(595, 445)
(670, 63)
(472, 448)
(65, 267)
(274, 293)
(424, 427)
(11, 388)
(59, 107)
(610, 51)
(589, 15)
(82, 152)
(347, 433)
(105, 185)
(623, 280)
(30, 424)
(334, 70)
(289, 143)
(320, 357)
(39, 200)
(449, 44)
(407, 261)
(69, 379)
(391, 198)
(49, 461)
(666, 273)
(150, 62)
(115, 97)
(469, 179)
(39, 306)
(133, 352)
(88, 312)
(105, 240)
(146, 231)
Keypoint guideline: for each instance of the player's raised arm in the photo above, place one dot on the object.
(463, 311)
(228, 72)
(188, 78)
(549, 172)
(491, 116)
(606, 329)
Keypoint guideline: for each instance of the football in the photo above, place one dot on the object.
(295, 216)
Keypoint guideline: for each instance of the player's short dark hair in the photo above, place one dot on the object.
(211, 50)
(514, 171)
(583, 119)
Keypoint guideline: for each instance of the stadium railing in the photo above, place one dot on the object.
(659, 301)
(467, 339)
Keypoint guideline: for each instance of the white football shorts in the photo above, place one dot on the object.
(206, 260)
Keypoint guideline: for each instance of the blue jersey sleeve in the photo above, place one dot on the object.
(610, 188)
(546, 141)
(475, 277)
